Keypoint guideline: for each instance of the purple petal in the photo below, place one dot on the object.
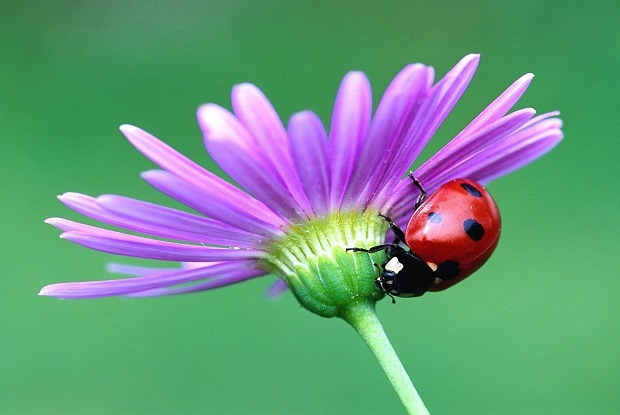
(442, 166)
(135, 246)
(444, 95)
(523, 147)
(451, 161)
(309, 146)
(276, 289)
(139, 271)
(257, 114)
(216, 208)
(94, 289)
(394, 113)
(242, 157)
(349, 125)
(532, 140)
(157, 220)
(500, 106)
(215, 189)
(215, 282)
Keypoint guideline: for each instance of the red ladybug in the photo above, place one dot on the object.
(450, 235)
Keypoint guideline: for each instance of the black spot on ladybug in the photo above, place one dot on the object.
(448, 270)
(473, 229)
(434, 217)
(471, 190)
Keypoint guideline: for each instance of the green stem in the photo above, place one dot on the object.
(363, 318)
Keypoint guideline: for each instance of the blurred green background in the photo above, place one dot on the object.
(536, 330)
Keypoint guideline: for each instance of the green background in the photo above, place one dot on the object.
(534, 332)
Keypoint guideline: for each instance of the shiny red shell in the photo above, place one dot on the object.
(458, 222)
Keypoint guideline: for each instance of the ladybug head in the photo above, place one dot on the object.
(388, 283)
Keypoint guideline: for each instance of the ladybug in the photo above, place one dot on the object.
(450, 235)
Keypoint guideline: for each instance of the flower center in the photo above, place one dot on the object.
(313, 260)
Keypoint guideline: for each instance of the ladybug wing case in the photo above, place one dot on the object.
(455, 231)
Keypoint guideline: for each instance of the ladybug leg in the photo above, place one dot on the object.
(385, 247)
(398, 232)
(422, 196)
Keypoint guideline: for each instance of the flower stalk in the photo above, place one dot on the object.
(362, 316)
(331, 282)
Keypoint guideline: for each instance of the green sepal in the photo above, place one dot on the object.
(313, 260)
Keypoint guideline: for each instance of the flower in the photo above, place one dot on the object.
(308, 195)
(305, 189)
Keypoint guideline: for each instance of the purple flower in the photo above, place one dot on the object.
(307, 194)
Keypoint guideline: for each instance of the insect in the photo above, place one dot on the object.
(450, 235)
